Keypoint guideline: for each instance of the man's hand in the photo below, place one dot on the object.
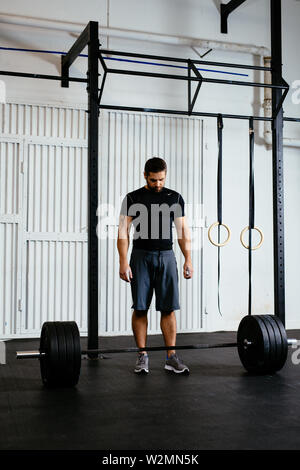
(125, 271)
(188, 270)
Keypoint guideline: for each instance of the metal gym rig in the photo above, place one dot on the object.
(261, 339)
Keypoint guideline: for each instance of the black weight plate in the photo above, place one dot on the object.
(284, 342)
(69, 350)
(62, 363)
(255, 358)
(49, 346)
(264, 363)
(77, 350)
(280, 343)
(60, 341)
(271, 365)
(44, 348)
(278, 339)
(73, 355)
(53, 356)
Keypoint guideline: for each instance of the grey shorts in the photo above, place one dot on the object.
(154, 270)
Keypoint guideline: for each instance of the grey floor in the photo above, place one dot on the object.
(218, 406)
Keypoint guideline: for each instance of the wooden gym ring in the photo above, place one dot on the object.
(261, 238)
(215, 243)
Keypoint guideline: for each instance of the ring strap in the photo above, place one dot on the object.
(219, 197)
(219, 175)
(251, 208)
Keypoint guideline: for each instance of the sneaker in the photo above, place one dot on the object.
(176, 365)
(142, 364)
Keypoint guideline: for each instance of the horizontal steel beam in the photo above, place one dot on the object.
(183, 61)
(183, 113)
(291, 119)
(37, 75)
(195, 79)
(80, 43)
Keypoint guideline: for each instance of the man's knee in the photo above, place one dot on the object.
(166, 312)
(140, 313)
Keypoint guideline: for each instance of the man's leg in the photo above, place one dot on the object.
(168, 328)
(139, 327)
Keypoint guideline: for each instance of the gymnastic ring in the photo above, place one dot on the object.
(261, 238)
(215, 225)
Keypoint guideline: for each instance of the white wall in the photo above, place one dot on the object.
(250, 24)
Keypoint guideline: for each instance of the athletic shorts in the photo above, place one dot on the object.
(154, 270)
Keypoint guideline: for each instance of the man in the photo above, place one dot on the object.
(152, 209)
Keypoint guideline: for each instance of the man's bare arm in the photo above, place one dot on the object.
(123, 242)
(184, 241)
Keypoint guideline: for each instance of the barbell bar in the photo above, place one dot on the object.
(262, 346)
(37, 354)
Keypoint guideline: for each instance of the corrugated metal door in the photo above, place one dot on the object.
(11, 218)
(128, 140)
(55, 242)
(43, 235)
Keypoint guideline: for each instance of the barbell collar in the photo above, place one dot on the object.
(292, 341)
(29, 354)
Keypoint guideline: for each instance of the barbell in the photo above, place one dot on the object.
(262, 345)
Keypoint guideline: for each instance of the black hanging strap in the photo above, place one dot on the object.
(219, 196)
(219, 176)
(251, 207)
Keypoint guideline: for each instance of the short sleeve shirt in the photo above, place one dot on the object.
(153, 215)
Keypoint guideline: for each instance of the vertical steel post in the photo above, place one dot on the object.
(277, 149)
(90, 37)
(93, 126)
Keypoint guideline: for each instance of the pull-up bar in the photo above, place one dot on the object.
(182, 60)
(194, 113)
(191, 66)
(43, 51)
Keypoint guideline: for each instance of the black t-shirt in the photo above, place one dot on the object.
(153, 215)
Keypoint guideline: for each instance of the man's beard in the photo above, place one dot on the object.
(154, 190)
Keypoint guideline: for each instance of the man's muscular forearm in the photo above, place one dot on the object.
(185, 246)
(123, 245)
(184, 241)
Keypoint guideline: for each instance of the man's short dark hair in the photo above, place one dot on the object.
(155, 165)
